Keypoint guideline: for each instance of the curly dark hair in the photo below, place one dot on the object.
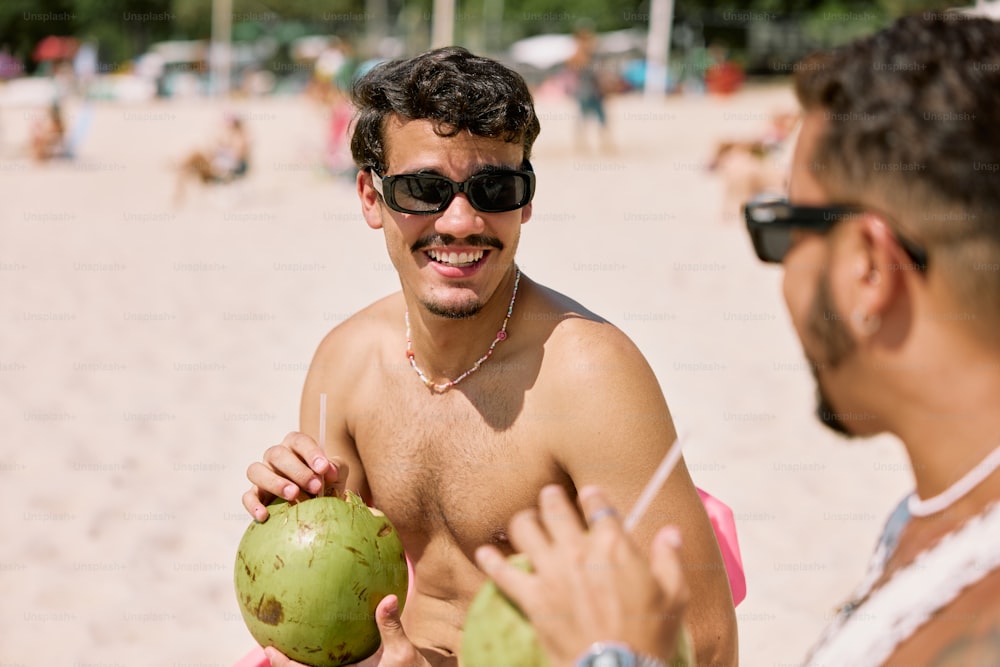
(450, 86)
(913, 127)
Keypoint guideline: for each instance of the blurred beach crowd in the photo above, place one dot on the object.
(179, 226)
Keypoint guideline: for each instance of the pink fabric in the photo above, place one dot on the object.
(724, 525)
(410, 578)
(254, 658)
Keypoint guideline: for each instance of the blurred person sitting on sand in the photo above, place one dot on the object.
(587, 87)
(337, 155)
(228, 159)
(750, 167)
(723, 76)
(890, 243)
(48, 135)
(441, 416)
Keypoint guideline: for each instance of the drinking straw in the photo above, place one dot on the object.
(322, 438)
(654, 485)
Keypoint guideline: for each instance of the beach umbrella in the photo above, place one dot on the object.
(54, 47)
(543, 51)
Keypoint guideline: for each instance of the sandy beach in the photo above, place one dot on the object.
(149, 353)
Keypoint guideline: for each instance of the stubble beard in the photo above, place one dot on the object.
(826, 325)
(462, 311)
(473, 305)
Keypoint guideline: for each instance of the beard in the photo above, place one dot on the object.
(460, 311)
(471, 306)
(827, 326)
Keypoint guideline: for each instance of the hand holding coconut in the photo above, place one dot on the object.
(296, 469)
(325, 578)
(396, 651)
(591, 585)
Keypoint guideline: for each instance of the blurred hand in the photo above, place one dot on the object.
(396, 649)
(590, 585)
(294, 470)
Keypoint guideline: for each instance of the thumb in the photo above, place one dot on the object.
(666, 566)
(396, 646)
(387, 617)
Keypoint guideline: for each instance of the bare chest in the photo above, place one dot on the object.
(454, 466)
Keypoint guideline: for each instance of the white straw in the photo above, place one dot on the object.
(654, 485)
(322, 438)
(322, 422)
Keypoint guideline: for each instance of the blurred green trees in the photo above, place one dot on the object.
(125, 28)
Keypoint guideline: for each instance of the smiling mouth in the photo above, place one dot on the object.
(457, 259)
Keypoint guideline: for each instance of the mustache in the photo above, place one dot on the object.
(475, 241)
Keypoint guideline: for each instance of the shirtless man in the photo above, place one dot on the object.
(895, 300)
(447, 451)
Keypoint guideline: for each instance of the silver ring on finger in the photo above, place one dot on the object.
(602, 513)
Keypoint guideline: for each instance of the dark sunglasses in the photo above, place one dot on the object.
(489, 192)
(772, 221)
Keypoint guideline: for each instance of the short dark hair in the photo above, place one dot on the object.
(913, 124)
(455, 89)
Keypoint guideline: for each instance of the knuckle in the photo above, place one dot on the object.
(522, 517)
(401, 656)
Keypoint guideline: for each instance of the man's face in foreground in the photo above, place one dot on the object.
(809, 290)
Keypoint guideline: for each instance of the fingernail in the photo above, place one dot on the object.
(550, 491)
(670, 536)
(487, 559)
(289, 492)
(259, 514)
(319, 464)
(588, 490)
(270, 653)
(315, 485)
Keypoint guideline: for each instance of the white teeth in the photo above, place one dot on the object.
(455, 258)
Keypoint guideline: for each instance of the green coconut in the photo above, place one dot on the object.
(309, 578)
(496, 632)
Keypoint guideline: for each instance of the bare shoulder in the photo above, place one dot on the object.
(970, 649)
(348, 354)
(582, 342)
(966, 632)
(593, 370)
(347, 342)
(975, 644)
(971, 627)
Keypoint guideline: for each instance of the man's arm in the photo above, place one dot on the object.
(619, 433)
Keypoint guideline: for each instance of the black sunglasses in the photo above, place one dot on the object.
(492, 191)
(771, 222)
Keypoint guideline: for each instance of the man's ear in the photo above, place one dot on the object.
(526, 213)
(879, 274)
(371, 204)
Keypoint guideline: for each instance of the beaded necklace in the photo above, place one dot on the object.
(501, 335)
